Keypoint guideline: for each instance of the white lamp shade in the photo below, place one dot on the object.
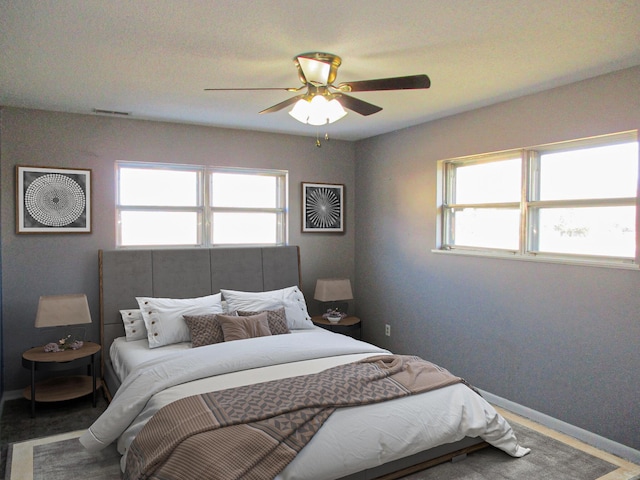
(300, 110)
(335, 111)
(318, 110)
(58, 310)
(333, 289)
(315, 71)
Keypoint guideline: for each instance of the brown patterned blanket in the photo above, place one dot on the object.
(266, 424)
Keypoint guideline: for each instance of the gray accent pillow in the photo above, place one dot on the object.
(276, 318)
(204, 329)
(239, 328)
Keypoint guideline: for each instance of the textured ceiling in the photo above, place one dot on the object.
(154, 58)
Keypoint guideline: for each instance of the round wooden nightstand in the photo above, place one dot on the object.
(351, 326)
(61, 388)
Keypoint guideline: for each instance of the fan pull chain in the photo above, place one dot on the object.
(326, 137)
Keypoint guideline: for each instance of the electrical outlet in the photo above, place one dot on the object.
(387, 330)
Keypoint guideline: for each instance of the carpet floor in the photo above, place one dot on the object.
(553, 456)
(16, 424)
(61, 457)
(57, 455)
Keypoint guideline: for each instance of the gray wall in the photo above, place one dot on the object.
(34, 265)
(1, 342)
(563, 340)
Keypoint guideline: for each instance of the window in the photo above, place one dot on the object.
(574, 200)
(180, 205)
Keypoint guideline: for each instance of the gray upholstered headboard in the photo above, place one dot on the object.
(180, 273)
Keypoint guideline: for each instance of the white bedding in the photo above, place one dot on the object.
(125, 356)
(346, 444)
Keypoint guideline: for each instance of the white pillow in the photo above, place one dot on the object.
(134, 328)
(291, 298)
(163, 316)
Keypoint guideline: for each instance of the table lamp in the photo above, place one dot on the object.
(63, 310)
(333, 292)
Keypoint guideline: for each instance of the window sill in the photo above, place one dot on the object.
(541, 259)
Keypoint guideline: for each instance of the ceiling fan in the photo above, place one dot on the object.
(324, 102)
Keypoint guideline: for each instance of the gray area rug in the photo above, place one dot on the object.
(17, 425)
(549, 459)
(59, 458)
(64, 460)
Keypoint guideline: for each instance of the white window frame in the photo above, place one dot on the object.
(203, 209)
(528, 204)
(281, 209)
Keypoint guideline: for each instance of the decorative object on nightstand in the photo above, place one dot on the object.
(349, 325)
(63, 310)
(334, 292)
(67, 353)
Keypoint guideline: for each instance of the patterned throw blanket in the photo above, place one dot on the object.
(267, 424)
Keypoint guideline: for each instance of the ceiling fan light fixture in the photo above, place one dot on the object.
(315, 72)
(335, 111)
(317, 68)
(317, 110)
(300, 110)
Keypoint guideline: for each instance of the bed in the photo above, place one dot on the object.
(145, 376)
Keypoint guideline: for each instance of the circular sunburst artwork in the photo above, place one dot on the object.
(54, 200)
(323, 208)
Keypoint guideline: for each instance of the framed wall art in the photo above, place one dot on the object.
(53, 200)
(322, 207)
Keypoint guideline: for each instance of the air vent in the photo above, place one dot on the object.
(110, 112)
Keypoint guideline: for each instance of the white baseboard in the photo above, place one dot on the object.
(12, 395)
(9, 395)
(581, 434)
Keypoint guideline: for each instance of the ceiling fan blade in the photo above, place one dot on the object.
(411, 82)
(281, 105)
(290, 89)
(357, 105)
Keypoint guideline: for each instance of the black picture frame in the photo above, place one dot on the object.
(53, 200)
(322, 207)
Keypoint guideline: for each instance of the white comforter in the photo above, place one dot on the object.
(346, 444)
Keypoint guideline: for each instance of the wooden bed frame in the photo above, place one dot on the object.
(187, 273)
